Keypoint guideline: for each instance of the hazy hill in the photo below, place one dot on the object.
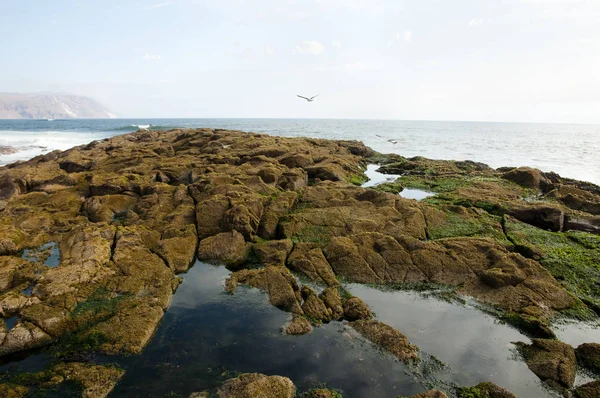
(50, 106)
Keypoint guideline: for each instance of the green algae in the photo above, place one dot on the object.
(473, 225)
(571, 257)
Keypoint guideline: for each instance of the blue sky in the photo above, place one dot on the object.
(489, 60)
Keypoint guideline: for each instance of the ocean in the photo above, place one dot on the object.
(571, 150)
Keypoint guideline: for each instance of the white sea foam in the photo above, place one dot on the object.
(30, 144)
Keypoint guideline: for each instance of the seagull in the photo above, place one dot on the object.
(311, 99)
(393, 141)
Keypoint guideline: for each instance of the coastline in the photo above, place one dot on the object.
(496, 144)
(294, 207)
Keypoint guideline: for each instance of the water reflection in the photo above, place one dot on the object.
(476, 346)
(49, 253)
(207, 332)
(376, 178)
(417, 194)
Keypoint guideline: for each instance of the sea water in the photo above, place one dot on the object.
(568, 149)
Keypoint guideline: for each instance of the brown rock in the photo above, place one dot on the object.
(386, 337)
(299, 325)
(322, 393)
(589, 390)
(589, 355)
(281, 286)
(310, 261)
(255, 385)
(552, 361)
(97, 381)
(313, 307)
(74, 167)
(494, 391)
(228, 248)
(273, 253)
(355, 309)
(331, 299)
(296, 160)
(529, 178)
(277, 208)
(543, 216)
(24, 336)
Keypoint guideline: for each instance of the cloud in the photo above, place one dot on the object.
(152, 57)
(336, 44)
(309, 47)
(160, 5)
(269, 50)
(476, 22)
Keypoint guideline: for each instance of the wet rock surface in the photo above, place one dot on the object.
(552, 361)
(131, 212)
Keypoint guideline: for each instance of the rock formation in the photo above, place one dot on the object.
(131, 212)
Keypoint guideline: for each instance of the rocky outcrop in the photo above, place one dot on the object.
(90, 381)
(256, 385)
(552, 361)
(386, 337)
(130, 212)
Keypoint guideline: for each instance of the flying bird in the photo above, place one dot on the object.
(311, 99)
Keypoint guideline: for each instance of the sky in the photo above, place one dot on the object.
(480, 60)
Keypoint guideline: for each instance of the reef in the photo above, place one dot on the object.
(130, 213)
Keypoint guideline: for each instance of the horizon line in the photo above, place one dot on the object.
(309, 118)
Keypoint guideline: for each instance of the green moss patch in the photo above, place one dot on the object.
(573, 258)
(470, 225)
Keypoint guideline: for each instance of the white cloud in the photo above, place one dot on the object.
(152, 57)
(160, 5)
(269, 50)
(336, 44)
(310, 47)
(476, 22)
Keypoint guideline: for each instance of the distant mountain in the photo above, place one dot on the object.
(50, 106)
